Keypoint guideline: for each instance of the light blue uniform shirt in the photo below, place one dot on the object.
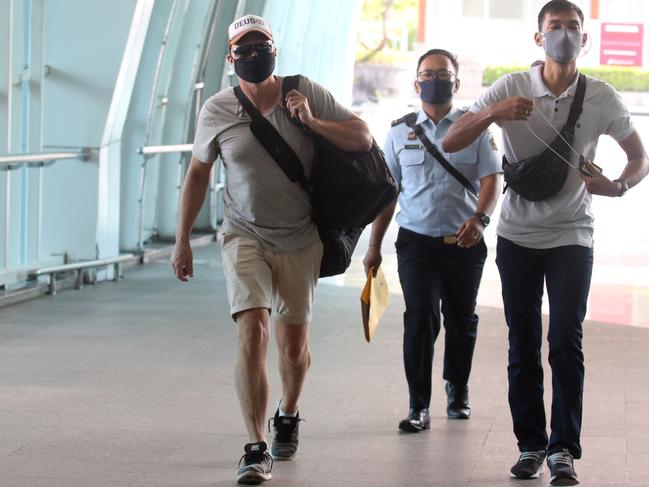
(431, 201)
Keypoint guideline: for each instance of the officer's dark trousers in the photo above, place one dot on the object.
(431, 271)
(567, 271)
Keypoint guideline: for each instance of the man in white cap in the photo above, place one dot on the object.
(271, 249)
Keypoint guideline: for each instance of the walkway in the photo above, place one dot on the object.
(131, 384)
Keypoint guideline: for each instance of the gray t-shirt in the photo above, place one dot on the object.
(565, 218)
(260, 201)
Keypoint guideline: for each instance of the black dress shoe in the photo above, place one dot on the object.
(417, 420)
(458, 401)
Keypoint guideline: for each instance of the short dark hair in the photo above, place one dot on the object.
(443, 52)
(559, 6)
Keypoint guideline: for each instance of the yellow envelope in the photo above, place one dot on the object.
(374, 301)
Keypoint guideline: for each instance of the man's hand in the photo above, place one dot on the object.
(298, 106)
(182, 260)
(470, 232)
(372, 260)
(599, 184)
(514, 108)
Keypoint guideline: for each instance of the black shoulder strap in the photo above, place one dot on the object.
(273, 142)
(577, 103)
(409, 119)
(432, 150)
(291, 83)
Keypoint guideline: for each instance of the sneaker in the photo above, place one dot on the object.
(285, 436)
(529, 465)
(255, 464)
(562, 468)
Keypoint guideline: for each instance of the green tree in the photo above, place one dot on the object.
(382, 12)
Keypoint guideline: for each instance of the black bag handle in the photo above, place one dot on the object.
(273, 142)
(291, 83)
(433, 151)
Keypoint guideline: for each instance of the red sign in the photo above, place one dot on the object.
(621, 44)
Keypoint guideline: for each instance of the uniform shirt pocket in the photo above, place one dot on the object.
(413, 169)
(465, 156)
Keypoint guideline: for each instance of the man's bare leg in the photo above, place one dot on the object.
(294, 361)
(251, 371)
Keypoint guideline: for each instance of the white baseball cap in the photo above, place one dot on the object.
(246, 24)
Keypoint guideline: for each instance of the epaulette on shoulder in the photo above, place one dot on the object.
(408, 119)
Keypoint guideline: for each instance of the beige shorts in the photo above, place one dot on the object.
(283, 283)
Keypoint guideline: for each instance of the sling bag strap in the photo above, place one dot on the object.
(577, 104)
(273, 142)
(575, 109)
(410, 121)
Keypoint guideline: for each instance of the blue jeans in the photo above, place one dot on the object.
(432, 272)
(567, 272)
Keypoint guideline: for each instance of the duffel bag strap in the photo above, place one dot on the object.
(291, 83)
(273, 142)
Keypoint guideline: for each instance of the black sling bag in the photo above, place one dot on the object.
(542, 176)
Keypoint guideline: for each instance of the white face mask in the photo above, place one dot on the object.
(562, 45)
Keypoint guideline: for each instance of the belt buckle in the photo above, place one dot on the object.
(450, 239)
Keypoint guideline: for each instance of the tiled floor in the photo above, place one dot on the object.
(131, 384)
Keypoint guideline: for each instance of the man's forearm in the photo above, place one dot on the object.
(466, 129)
(635, 171)
(380, 224)
(490, 187)
(637, 166)
(191, 201)
(351, 135)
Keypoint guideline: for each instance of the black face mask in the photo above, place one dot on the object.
(255, 69)
(436, 91)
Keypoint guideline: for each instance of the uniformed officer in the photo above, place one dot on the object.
(445, 201)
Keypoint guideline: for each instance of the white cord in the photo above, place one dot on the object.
(545, 144)
(558, 133)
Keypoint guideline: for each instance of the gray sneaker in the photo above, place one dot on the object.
(562, 470)
(285, 436)
(255, 464)
(529, 465)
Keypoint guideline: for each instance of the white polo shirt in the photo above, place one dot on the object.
(565, 218)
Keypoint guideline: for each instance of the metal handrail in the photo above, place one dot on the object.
(164, 149)
(12, 161)
(78, 268)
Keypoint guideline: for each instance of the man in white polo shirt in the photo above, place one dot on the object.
(550, 237)
(271, 249)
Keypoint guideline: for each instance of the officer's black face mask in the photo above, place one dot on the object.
(255, 69)
(436, 91)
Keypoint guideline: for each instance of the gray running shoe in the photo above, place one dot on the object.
(562, 468)
(285, 436)
(529, 465)
(255, 464)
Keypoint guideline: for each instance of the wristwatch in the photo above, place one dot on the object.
(624, 186)
(484, 218)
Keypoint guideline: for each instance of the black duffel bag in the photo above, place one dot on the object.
(347, 190)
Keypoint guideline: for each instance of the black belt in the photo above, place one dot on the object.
(447, 239)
